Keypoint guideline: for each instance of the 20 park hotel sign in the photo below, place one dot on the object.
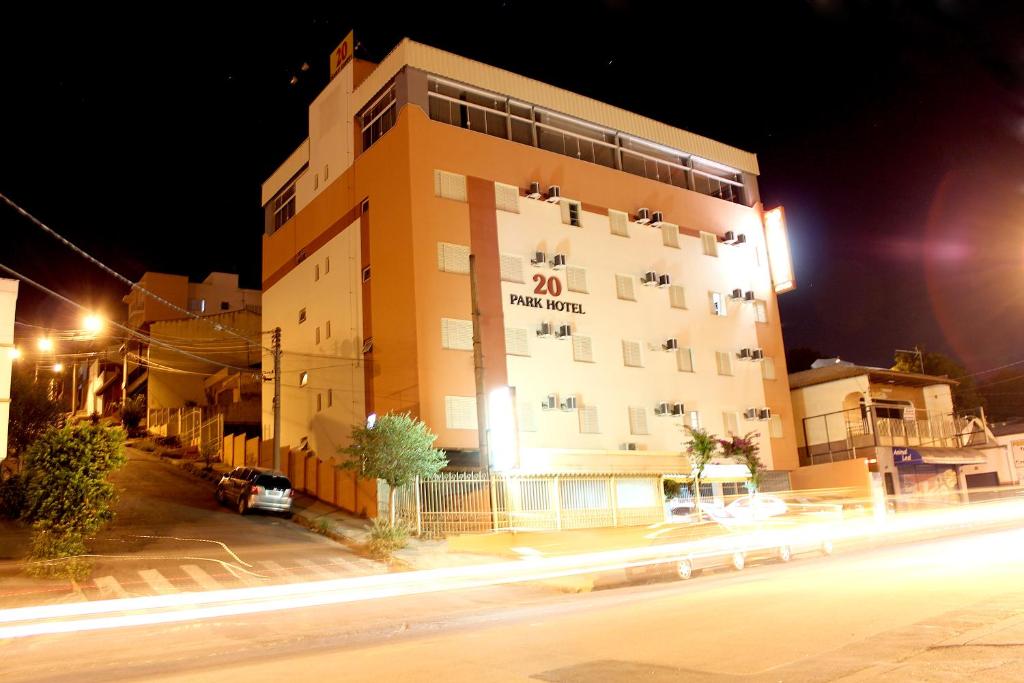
(547, 288)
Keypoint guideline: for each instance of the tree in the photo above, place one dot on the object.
(32, 411)
(965, 393)
(745, 449)
(67, 495)
(132, 412)
(398, 448)
(700, 449)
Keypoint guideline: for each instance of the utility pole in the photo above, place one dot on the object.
(478, 369)
(276, 346)
(74, 387)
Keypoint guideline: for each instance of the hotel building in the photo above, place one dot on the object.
(613, 271)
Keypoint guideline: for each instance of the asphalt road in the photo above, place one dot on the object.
(936, 610)
(170, 535)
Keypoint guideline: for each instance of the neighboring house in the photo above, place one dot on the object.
(1010, 437)
(626, 274)
(8, 303)
(857, 424)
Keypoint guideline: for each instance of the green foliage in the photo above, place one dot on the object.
(398, 449)
(147, 445)
(132, 412)
(12, 497)
(745, 450)
(57, 554)
(67, 495)
(700, 449)
(32, 411)
(322, 526)
(386, 537)
(672, 488)
(965, 394)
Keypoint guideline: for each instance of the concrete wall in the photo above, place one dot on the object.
(849, 474)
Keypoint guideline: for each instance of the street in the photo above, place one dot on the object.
(170, 535)
(936, 610)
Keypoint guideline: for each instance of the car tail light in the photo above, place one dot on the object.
(254, 490)
(291, 493)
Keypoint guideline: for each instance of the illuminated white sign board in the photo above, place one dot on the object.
(779, 258)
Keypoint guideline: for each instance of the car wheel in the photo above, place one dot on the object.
(739, 561)
(220, 495)
(826, 547)
(243, 505)
(785, 553)
(287, 515)
(684, 569)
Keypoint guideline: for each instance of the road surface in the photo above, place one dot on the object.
(937, 610)
(170, 535)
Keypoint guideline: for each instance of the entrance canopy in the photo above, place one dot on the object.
(937, 456)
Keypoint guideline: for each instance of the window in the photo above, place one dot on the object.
(768, 368)
(619, 222)
(457, 334)
(517, 341)
(730, 423)
(775, 426)
(450, 185)
(224, 305)
(303, 378)
(760, 311)
(582, 349)
(588, 420)
(527, 417)
(570, 212)
(302, 315)
(637, 420)
(327, 329)
(677, 296)
(511, 268)
(724, 359)
(670, 235)
(317, 335)
(453, 258)
(709, 241)
(327, 265)
(316, 273)
(319, 402)
(378, 117)
(460, 412)
(625, 288)
(631, 355)
(684, 359)
(576, 279)
(692, 419)
(506, 197)
(366, 274)
(330, 397)
(283, 206)
(718, 304)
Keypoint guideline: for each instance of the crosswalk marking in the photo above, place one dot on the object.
(204, 580)
(353, 566)
(157, 581)
(110, 588)
(316, 569)
(279, 573)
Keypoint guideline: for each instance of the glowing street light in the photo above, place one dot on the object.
(45, 344)
(58, 367)
(14, 352)
(92, 323)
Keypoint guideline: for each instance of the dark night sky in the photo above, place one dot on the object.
(892, 132)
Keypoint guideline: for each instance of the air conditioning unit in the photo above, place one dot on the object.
(748, 296)
(544, 330)
(549, 403)
(564, 332)
(663, 409)
(741, 239)
(657, 218)
(534, 191)
(678, 409)
(764, 413)
(736, 294)
(744, 354)
(750, 414)
(664, 280)
(643, 216)
(558, 261)
(649, 279)
(757, 354)
(670, 344)
(554, 193)
(539, 260)
(730, 237)
(629, 446)
(569, 403)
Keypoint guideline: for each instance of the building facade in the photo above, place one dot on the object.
(501, 257)
(8, 303)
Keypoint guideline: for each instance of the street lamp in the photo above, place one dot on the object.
(14, 352)
(92, 323)
(58, 367)
(45, 344)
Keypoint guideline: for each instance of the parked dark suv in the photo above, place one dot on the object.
(256, 488)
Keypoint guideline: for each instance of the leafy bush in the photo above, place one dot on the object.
(147, 445)
(132, 412)
(32, 411)
(172, 441)
(12, 497)
(322, 526)
(67, 495)
(386, 537)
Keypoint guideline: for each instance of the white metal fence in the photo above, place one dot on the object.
(189, 426)
(454, 503)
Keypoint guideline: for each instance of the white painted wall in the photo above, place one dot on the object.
(335, 363)
(823, 399)
(8, 303)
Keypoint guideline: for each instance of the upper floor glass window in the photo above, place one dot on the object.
(378, 118)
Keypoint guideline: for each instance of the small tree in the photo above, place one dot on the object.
(397, 448)
(700, 449)
(32, 412)
(67, 495)
(132, 412)
(745, 449)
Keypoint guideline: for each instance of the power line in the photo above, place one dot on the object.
(134, 285)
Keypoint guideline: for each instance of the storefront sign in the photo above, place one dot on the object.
(552, 287)
(906, 456)
(341, 55)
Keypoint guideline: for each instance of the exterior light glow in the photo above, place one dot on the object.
(14, 352)
(45, 344)
(92, 323)
(502, 436)
(58, 367)
(778, 250)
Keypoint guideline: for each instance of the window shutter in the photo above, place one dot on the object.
(724, 362)
(710, 243)
(624, 287)
(453, 258)
(684, 360)
(637, 420)
(457, 334)
(670, 235)
(768, 368)
(582, 349)
(511, 268)
(517, 341)
(460, 412)
(677, 296)
(619, 222)
(588, 420)
(775, 426)
(576, 279)
(506, 197)
(631, 354)
(450, 185)
(731, 423)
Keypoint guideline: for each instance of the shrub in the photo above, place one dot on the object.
(172, 441)
(386, 537)
(322, 526)
(132, 412)
(57, 554)
(12, 497)
(32, 411)
(148, 445)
